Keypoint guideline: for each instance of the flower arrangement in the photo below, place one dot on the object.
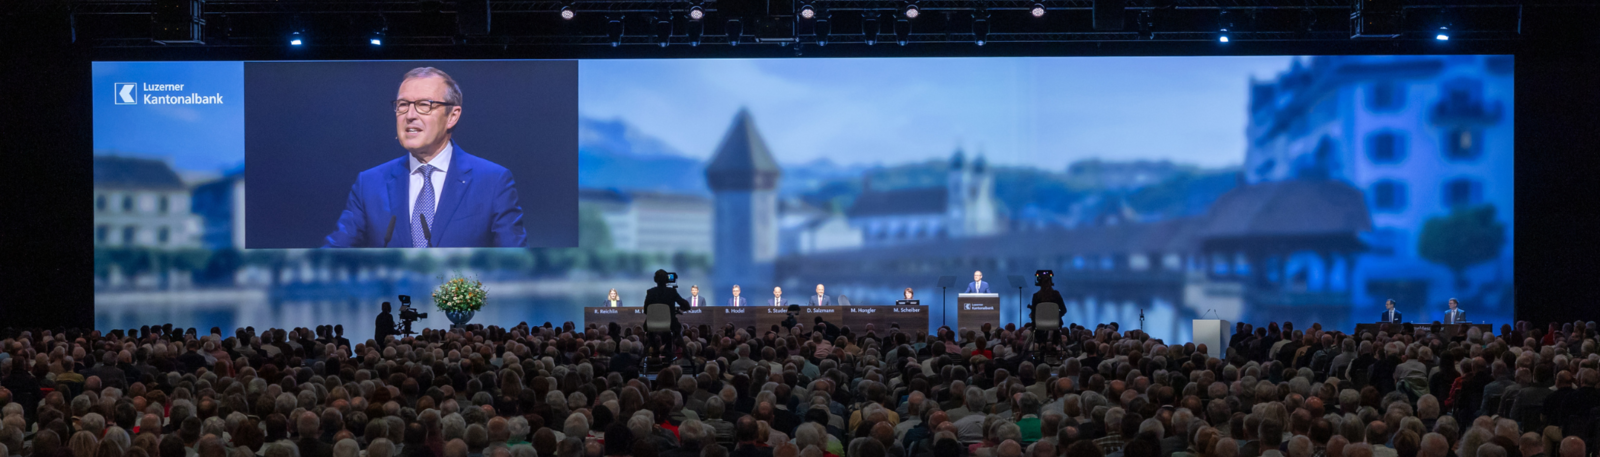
(460, 294)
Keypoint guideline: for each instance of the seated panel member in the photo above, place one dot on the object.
(777, 297)
(1455, 315)
(737, 300)
(910, 298)
(977, 286)
(1390, 315)
(465, 200)
(821, 299)
(694, 296)
(612, 300)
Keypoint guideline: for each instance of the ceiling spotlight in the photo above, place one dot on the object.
(912, 12)
(1038, 10)
(735, 30)
(568, 13)
(696, 29)
(664, 28)
(1145, 23)
(902, 31)
(1224, 21)
(376, 41)
(869, 28)
(1443, 35)
(980, 28)
(807, 12)
(295, 39)
(614, 31)
(695, 13)
(822, 27)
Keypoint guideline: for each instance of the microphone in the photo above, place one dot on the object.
(428, 234)
(387, 234)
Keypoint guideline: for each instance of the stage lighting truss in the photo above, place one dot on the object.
(830, 22)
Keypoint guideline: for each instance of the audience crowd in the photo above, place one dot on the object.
(822, 391)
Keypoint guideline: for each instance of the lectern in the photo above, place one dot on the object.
(974, 310)
(1213, 333)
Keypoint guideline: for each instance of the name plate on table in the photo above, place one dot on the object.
(911, 319)
(623, 316)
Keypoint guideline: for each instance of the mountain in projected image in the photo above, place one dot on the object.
(615, 155)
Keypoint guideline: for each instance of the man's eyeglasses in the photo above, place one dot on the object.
(423, 106)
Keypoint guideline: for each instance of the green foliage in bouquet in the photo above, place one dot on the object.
(460, 294)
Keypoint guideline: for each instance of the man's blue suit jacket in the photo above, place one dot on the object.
(478, 208)
(977, 287)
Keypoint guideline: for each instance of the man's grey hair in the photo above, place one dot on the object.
(577, 425)
(810, 434)
(1153, 425)
(1300, 446)
(692, 431)
(282, 448)
(454, 426)
(640, 425)
(518, 426)
(975, 400)
(452, 93)
(380, 447)
(346, 448)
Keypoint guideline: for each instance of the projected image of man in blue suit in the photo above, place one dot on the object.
(437, 195)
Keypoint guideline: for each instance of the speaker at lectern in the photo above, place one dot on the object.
(974, 310)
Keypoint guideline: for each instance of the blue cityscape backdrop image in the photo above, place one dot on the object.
(1250, 189)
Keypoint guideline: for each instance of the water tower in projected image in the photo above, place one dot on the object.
(743, 178)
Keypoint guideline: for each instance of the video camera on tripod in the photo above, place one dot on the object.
(408, 315)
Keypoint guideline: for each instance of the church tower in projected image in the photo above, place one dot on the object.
(743, 178)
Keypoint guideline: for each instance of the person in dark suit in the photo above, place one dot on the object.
(820, 299)
(342, 342)
(663, 293)
(736, 300)
(191, 358)
(977, 286)
(464, 200)
(309, 426)
(777, 297)
(745, 430)
(1455, 315)
(612, 299)
(1047, 294)
(383, 326)
(24, 387)
(1390, 315)
(828, 330)
(694, 297)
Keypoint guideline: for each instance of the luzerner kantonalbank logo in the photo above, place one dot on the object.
(159, 94)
